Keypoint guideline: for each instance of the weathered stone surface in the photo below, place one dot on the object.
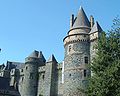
(36, 77)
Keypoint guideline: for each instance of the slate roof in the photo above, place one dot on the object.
(81, 20)
(37, 54)
(11, 65)
(52, 58)
(96, 28)
(4, 83)
(34, 54)
(40, 55)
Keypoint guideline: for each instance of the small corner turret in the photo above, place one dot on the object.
(37, 57)
(95, 31)
(52, 59)
(51, 77)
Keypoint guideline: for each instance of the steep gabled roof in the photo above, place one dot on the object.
(11, 65)
(52, 58)
(96, 28)
(40, 55)
(81, 20)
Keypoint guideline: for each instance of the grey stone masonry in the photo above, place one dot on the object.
(38, 77)
(51, 77)
(78, 45)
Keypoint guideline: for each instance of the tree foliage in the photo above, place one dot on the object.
(106, 65)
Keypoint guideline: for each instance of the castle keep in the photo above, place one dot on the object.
(38, 77)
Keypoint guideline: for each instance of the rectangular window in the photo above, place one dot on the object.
(43, 76)
(86, 60)
(69, 48)
(21, 70)
(22, 78)
(31, 75)
(26, 67)
(85, 73)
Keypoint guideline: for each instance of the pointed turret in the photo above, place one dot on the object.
(40, 55)
(34, 54)
(52, 58)
(81, 20)
(51, 79)
(96, 28)
(37, 54)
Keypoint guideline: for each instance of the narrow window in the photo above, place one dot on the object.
(85, 74)
(86, 60)
(31, 75)
(12, 71)
(43, 76)
(26, 67)
(69, 48)
(21, 70)
(22, 78)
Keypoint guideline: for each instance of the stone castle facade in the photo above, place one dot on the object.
(38, 77)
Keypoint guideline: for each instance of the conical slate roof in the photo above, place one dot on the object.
(34, 54)
(52, 58)
(81, 19)
(96, 28)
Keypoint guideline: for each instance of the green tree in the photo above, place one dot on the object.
(105, 67)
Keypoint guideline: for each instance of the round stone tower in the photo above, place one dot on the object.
(30, 81)
(77, 54)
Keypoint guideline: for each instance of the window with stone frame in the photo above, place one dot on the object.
(86, 60)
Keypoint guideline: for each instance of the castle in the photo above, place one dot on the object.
(38, 77)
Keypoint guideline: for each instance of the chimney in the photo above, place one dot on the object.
(91, 21)
(71, 20)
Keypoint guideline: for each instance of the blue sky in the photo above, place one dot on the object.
(27, 25)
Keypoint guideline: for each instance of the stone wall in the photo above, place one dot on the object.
(75, 67)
